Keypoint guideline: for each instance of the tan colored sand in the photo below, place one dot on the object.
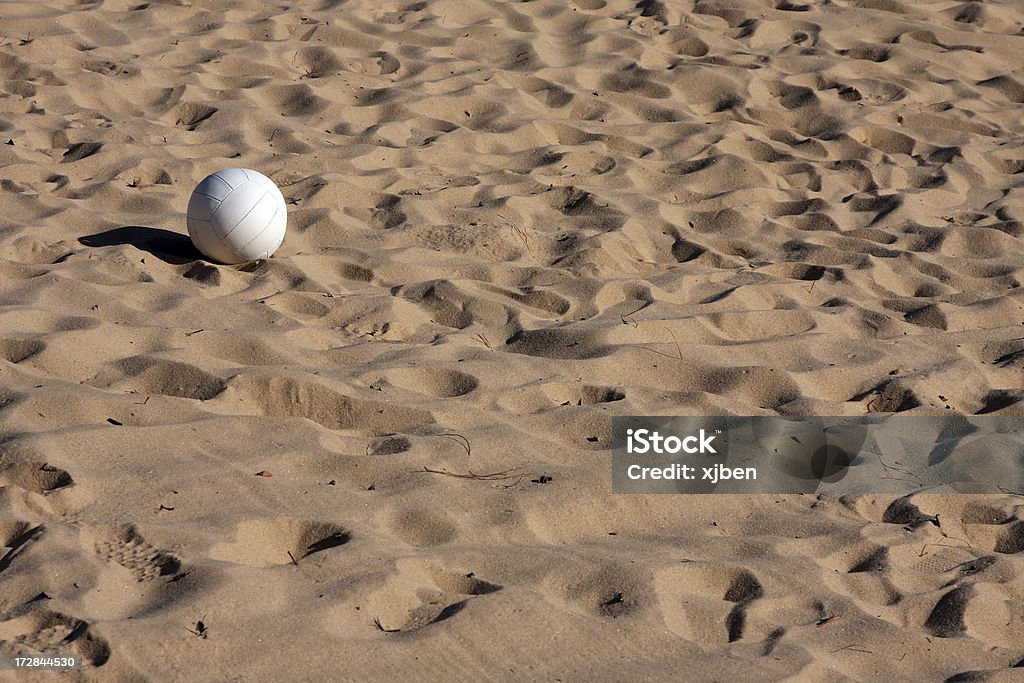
(508, 221)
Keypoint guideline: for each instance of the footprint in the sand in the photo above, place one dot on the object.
(15, 536)
(123, 545)
(861, 571)
(16, 69)
(284, 396)
(316, 61)
(707, 602)
(418, 594)
(635, 79)
(385, 214)
(541, 299)
(793, 96)
(294, 100)
(35, 476)
(743, 590)
(15, 350)
(548, 93)
(26, 476)
(149, 375)
(453, 306)
(946, 619)
(557, 342)
(546, 396)
(483, 240)
(587, 427)
(36, 631)
(378, 63)
(388, 445)
(279, 541)
(241, 348)
(302, 304)
(585, 210)
(762, 325)
(353, 271)
(797, 271)
(606, 590)
(761, 385)
(420, 527)
(80, 150)
(717, 173)
(203, 273)
(191, 115)
(439, 382)
(989, 527)
(870, 558)
(27, 257)
(1004, 537)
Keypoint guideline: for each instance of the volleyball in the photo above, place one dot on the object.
(237, 215)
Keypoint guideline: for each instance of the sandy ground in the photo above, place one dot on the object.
(509, 221)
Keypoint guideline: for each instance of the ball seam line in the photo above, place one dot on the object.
(265, 227)
(219, 179)
(251, 209)
(220, 239)
(208, 196)
(224, 199)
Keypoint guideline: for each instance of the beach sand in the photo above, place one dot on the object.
(508, 222)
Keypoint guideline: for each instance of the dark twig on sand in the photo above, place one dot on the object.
(494, 476)
(463, 441)
(853, 648)
(201, 630)
(911, 478)
(380, 627)
(482, 338)
(679, 351)
(943, 545)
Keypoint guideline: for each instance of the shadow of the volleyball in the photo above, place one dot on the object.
(786, 454)
(807, 452)
(170, 247)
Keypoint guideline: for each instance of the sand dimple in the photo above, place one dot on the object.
(416, 595)
(440, 382)
(35, 476)
(17, 350)
(538, 398)
(46, 632)
(153, 375)
(421, 527)
(281, 541)
(289, 397)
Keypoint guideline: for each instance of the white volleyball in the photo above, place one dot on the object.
(237, 215)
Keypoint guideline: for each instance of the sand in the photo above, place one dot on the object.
(509, 222)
